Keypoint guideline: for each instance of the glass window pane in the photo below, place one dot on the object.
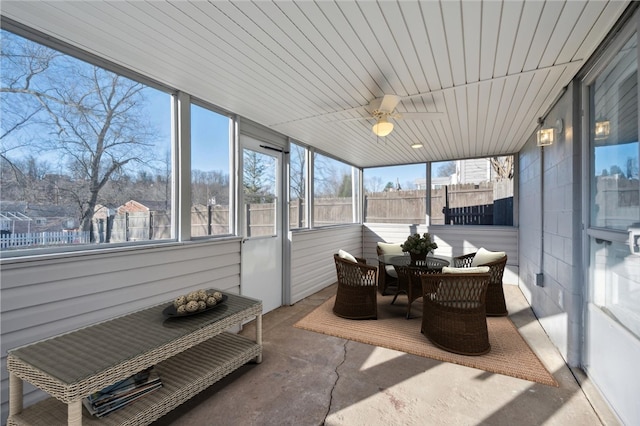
(297, 187)
(615, 274)
(395, 194)
(472, 192)
(86, 153)
(615, 196)
(260, 193)
(210, 141)
(333, 192)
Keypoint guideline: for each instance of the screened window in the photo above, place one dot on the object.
(615, 195)
(335, 192)
(210, 141)
(395, 194)
(472, 192)
(260, 187)
(86, 153)
(298, 173)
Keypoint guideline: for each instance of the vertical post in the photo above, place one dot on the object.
(74, 413)
(15, 395)
(110, 219)
(446, 205)
(150, 226)
(101, 230)
(365, 207)
(126, 226)
(209, 219)
(247, 215)
(259, 337)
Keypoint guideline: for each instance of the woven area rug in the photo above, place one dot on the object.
(510, 354)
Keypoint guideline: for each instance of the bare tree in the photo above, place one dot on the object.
(330, 176)
(374, 184)
(502, 166)
(91, 118)
(446, 169)
(297, 168)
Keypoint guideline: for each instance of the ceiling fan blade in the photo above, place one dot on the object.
(357, 118)
(388, 103)
(419, 115)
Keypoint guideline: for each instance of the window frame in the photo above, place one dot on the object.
(180, 153)
(186, 147)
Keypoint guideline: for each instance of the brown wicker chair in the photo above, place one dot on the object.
(356, 297)
(496, 305)
(409, 281)
(387, 275)
(453, 316)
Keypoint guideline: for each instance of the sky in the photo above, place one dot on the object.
(210, 129)
(609, 155)
(405, 174)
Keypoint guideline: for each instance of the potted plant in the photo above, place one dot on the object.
(418, 246)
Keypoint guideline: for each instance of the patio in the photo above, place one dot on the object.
(308, 378)
(302, 84)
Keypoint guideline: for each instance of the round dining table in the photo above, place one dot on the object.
(409, 273)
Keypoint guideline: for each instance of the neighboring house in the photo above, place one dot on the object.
(467, 171)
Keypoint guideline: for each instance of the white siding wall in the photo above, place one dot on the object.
(42, 297)
(312, 266)
(452, 241)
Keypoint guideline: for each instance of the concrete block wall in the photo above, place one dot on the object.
(550, 231)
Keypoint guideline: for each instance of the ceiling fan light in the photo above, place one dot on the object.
(382, 127)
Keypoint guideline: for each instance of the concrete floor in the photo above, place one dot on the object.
(308, 378)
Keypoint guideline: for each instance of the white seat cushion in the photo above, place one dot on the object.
(390, 248)
(472, 270)
(484, 256)
(391, 271)
(346, 256)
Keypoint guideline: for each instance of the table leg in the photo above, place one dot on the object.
(259, 336)
(74, 413)
(15, 394)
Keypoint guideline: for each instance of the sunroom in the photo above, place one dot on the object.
(150, 149)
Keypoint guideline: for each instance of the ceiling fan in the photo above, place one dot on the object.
(382, 109)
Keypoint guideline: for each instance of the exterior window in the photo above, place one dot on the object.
(86, 153)
(472, 192)
(334, 194)
(210, 141)
(298, 173)
(615, 201)
(395, 194)
(260, 187)
(614, 267)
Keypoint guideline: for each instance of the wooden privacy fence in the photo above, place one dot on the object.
(489, 203)
(395, 207)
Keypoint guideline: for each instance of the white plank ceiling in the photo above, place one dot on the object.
(300, 67)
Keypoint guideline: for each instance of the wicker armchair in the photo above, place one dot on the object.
(454, 316)
(496, 305)
(356, 297)
(387, 275)
(409, 281)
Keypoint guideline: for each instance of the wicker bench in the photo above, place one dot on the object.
(73, 365)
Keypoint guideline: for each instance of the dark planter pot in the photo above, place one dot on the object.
(417, 256)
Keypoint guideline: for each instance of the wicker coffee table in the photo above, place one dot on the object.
(189, 354)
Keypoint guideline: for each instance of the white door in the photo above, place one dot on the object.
(262, 246)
